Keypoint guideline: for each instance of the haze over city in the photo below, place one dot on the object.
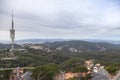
(63, 19)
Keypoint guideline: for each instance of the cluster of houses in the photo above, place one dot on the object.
(20, 74)
(99, 72)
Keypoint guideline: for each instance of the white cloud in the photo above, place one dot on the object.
(60, 19)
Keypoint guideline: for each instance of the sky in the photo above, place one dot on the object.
(61, 19)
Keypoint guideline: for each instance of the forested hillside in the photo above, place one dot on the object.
(58, 52)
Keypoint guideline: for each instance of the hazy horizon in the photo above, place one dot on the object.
(58, 19)
(70, 39)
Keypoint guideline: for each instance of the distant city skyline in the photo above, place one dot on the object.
(61, 19)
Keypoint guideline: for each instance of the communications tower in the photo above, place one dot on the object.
(12, 34)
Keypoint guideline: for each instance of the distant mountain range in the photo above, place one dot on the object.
(78, 46)
(39, 41)
(106, 41)
(32, 41)
(62, 45)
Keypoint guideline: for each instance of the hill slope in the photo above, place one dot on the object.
(77, 46)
